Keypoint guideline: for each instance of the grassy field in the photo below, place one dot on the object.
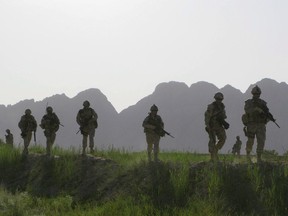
(118, 182)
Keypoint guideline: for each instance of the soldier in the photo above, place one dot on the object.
(27, 125)
(9, 138)
(215, 116)
(50, 123)
(153, 128)
(255, 119)
(87, 120)
(237, 146)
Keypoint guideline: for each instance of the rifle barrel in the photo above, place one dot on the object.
(276, 124)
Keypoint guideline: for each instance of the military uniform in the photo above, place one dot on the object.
(87, 120)
(153, 128)
(50, 123)
(27, 125)
(9, 138)
(237, 146)
(255, 120)
(215, 116)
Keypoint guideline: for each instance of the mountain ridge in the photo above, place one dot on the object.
(181, 106)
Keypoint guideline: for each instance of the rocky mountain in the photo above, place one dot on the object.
(182, 108)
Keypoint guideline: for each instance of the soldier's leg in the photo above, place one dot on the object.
(25, 150)
(49, 143)
(91, 140)
(261, 137)
(221, 135)
(149, 140)
(48, 147)
(156, 147)
(249, 145)
(211, 144)
(84, 144)
(27, 140)
(251, 130)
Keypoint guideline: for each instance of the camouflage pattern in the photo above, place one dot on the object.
(9, 138)
(237, 146)
(215, 116)
(256, 111)
(87, 120)
(153, 126)
(27, 125)
(50, 123)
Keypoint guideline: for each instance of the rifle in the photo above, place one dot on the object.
(267, 113)
(270, 117)
(161, 132)
(168, 133)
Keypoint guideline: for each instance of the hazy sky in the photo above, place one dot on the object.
(126, 47)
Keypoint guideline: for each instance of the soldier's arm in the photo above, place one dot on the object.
(95, 114)
(35, 124)
(145, 124)
(78, 119)
(208, 115)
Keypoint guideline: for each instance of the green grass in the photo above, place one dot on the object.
(119, 182)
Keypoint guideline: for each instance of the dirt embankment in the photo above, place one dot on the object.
(99, 180)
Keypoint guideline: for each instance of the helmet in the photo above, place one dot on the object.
(256, 90)
(218, 96)
(237, 137)
(154, 108)
(86, 103)
(8, 131)
(49, 109)
(28, 111)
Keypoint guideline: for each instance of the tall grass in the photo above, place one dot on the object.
(118, 182)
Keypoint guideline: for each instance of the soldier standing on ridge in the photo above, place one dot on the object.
(237, 146)
(215, 116)
(9, 138)
(50, 123)
(255, 119)
(153, 128)
(27, 125)
(87, 120)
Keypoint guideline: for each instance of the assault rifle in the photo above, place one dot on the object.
(270, 117)
(267, 113)
(168, 133)
(161, 132)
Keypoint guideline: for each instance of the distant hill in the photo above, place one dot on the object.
(182, 108)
